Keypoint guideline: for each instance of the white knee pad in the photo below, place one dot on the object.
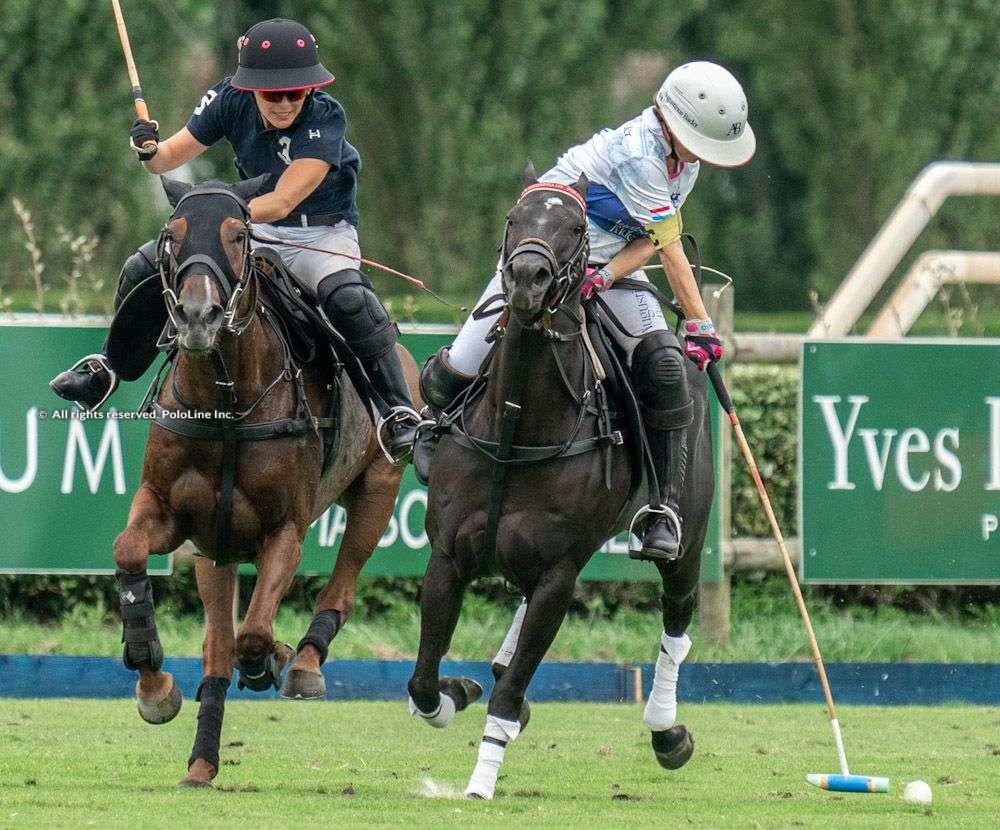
(483, 780)
(440, 717)
(661, 708)
(470, 348)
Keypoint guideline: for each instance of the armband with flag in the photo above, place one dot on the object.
(666, 227)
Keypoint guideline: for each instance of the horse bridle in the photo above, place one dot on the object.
(170, 277)
(569, 275)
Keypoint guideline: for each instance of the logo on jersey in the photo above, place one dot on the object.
(286, 144)
(206, 99)
(314, 134)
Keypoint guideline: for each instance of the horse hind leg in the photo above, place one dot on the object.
(151, 528)
(506, 713)
(216, 587)
(369, 502)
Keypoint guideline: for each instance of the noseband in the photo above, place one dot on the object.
(170, 278)
(570, 274)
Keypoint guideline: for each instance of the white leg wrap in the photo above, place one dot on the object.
(510, 641)
(661, 708)
(483, 780)
(439, 718)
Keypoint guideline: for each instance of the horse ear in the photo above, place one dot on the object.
(581, 185)
(174, 189)
(249, 188)
(528, 175)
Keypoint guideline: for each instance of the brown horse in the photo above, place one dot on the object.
(234, 463)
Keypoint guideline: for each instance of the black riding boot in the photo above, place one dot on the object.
(91, 380)
(440, 384)
(348, 300)
(662, 539)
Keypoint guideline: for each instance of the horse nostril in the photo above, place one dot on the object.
(541, 275)
(214, 316)
(181, 315)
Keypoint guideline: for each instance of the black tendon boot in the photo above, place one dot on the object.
(440, 384)
(662, 539)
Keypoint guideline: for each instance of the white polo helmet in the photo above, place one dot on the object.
(704, 106)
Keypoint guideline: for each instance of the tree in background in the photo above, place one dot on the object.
(447, 100)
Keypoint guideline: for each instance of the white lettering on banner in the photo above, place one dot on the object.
(878, 459)
(412, 540)
(990, 524)
(994, 482)
(93, 468)
(910, 442)
(332, 524)
(391, 533)
(25, 480)
(840, 437)
(947, 459)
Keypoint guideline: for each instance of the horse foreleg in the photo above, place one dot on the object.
(216, 587)
(151, 528)
(507, 713)
(672, 745)
(509, 645)
(434, 698)
(259, 661)
(369, 502)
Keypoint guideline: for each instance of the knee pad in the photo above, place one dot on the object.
(349, 301)
(440, 382)
(141, 265)
(659, 373)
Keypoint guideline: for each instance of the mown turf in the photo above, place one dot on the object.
(71, 763)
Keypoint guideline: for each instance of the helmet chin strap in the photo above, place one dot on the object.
(672, 157)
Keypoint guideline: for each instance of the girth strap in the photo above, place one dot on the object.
(530, 454)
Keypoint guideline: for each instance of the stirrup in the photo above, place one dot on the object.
(102, 363)
(396, 415)
(635, 543)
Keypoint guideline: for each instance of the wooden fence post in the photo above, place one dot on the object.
(714, 597)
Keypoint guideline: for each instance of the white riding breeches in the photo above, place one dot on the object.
(339, 243)
(637, 310)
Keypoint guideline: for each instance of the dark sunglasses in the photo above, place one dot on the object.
(276, 96)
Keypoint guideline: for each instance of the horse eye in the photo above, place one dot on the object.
(578, 230)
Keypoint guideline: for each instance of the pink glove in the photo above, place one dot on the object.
(595, 281)
(702, 343)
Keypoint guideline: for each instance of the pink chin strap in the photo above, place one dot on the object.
(558, 188)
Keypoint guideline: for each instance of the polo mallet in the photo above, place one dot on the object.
(845, 782)
(141, 110)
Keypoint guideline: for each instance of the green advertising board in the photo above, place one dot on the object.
(66, 484)
(899, 461)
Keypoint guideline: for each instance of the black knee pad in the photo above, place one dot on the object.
(659, 373)
(350, 302)
(141, 265)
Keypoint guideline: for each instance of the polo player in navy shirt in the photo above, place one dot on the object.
(278, 122)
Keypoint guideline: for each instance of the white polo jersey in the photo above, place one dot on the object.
(631, 194)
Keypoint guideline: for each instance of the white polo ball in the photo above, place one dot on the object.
(918, 793)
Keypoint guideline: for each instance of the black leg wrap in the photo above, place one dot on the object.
(322, 630)
(212, 696)
(142, 644)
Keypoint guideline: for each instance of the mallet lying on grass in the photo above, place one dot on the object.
(845, 782)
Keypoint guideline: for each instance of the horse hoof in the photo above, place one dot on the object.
(525, 714)
(163, 710)
(303, 685)
(460, 689)
(673, 747)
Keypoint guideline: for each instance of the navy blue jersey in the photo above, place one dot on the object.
(318, 133)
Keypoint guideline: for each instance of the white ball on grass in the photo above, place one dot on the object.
(918, 793)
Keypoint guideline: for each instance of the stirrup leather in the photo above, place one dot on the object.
(396, 415)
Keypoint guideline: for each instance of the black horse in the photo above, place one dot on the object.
(536, 511)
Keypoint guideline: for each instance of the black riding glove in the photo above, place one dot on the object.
(141, 133)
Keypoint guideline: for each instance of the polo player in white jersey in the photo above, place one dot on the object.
(640, 175)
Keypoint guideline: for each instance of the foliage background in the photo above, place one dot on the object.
(446, 101)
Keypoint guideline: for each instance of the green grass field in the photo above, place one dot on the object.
(73, 763)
